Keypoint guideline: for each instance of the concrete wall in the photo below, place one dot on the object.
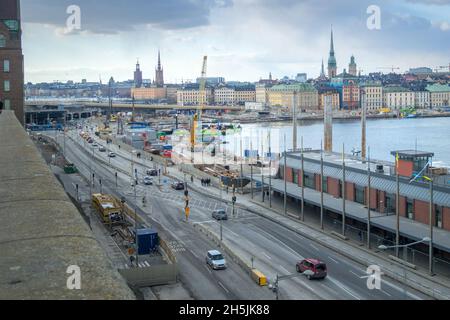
(41, 231)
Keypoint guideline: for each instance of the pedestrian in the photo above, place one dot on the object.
(360, 236)
(192, 179)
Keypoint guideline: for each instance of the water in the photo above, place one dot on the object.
(383, 136)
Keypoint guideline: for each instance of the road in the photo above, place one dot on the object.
(166, 217)
(275, 249)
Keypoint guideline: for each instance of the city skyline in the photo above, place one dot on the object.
(412, 34)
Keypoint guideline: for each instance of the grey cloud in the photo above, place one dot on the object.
(113, 16)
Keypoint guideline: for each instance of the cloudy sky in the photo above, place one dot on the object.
(244, 39)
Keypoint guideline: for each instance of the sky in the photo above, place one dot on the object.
(243, 39)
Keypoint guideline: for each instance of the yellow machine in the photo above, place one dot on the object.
(108, 207)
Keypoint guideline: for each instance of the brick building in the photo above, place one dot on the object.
(11, 59)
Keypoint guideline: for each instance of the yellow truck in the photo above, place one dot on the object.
(108, 207)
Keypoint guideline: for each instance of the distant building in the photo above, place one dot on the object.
(213, 81)
(422, 99)
(301, 77)
(352, 68)
(262, 93)
(11, 59)
(440, 95)
(351, 95)
(138, 76)
(373, 95)
(326, 90)
(397, 97)
(159, 73)
(421, 70)
(282, 96)
(332, 64)
(152, 93)
(234, 95)
(190, 95)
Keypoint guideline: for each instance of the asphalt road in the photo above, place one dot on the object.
(191, 247)
(275, 249)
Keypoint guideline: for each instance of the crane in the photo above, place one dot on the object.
(197, 120)
(390, 68)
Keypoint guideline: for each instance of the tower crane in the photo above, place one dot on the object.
(197, 127)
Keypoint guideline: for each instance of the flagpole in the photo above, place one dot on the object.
(397, 208)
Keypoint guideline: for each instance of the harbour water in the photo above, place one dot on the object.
(383, 136)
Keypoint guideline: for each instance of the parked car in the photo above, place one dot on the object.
(312, 268)
(148, 181)
(111, 155)
(220, 214)
(94, 145)
(102, 149)
(178, 185)
(215, 260)
(152, 172)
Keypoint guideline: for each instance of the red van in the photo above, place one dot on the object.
(317, 269)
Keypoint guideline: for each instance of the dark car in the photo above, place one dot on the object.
(152, 172)
(178, 185)
(220, 214)
(312, 268)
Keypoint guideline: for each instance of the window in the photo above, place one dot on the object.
(6, 85)
(7, 104)
(5, 65)
(295, 176)
(12, 25)
(438, 217)
(389, 203)
(325, 184)
(309, 180)
(2, 41)
(410, 209)
(360, 194)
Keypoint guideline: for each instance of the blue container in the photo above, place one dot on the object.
(168, 147)
(147, 241)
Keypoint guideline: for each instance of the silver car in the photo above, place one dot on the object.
(216, 260)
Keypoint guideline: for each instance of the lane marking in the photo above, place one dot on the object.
(314, 247)
(193, 253)
(268, 257)
(340, 285)
(284, 269)
(209, 269)
(223, 287)
(386, 293)
(401, 290)
(357, 275)
(335, 261)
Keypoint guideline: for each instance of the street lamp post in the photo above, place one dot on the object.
(405, 247)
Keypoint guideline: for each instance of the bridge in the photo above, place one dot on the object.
(128, 106)
(42, 233)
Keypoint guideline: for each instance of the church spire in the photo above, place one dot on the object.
(332, 64)
(332, 42)
(322, 72)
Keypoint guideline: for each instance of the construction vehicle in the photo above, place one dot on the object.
(108, 207)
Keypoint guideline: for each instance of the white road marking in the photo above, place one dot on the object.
(335, 261)
(220, 284)
(386, 293)
(340, 285)
(357, 275)
(284, 269)
(314, 247)
(193, 253)
(207, 268)
(268, 257)
(401, 290)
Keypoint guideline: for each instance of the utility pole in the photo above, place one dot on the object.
(262, 168)
(270, 171)
(363, 123)
(431, 229)
(242, 165)
(397, 209)
(368, 198)
(343, 190)
(285, 176)
(294, 120)
(321, 185)
(251, 167)
(302, 208)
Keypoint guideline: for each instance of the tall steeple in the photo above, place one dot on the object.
(332, 64)
(159, 74)
(138, 75)
(322, 72)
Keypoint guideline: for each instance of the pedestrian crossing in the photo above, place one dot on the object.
(176, 246)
